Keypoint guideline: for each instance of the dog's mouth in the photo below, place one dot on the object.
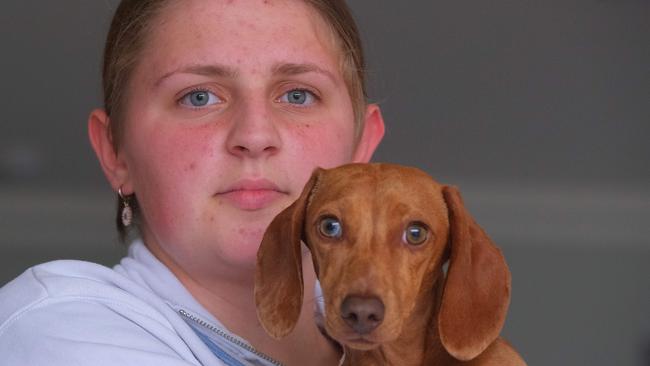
(348, 337)
(363, 342)
(360, 343)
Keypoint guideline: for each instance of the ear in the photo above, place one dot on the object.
(99, 134)
(278, 276)
(477, 289)
(371, 135)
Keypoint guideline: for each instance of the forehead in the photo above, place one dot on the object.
(245, 33)
(378, 185)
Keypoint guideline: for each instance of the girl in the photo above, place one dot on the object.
(215, 114)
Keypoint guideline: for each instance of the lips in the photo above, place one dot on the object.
(361, 344)
(252, 194)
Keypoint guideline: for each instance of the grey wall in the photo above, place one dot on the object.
(538, 110)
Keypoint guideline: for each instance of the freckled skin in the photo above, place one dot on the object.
(187, 159)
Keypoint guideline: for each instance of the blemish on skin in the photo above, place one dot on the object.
(246, 232)
(302, 129)
(190, 167)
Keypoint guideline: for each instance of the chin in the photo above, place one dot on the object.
(241, 250)
(361, 345)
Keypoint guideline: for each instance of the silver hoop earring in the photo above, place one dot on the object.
(127, 212)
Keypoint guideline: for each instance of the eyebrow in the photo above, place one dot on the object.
(200, 69)
(288, 69)
(217, 70)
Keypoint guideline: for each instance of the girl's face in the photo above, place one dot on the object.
(232, 106)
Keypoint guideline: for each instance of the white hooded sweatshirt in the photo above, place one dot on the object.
(68, 313)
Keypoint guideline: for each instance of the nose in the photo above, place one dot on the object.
(363, 314)
(253, 133)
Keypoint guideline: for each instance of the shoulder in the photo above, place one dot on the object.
(63, 282)
(45, 281)
(69, 312)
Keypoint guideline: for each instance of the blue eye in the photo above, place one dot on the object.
(199, 98)
(299, 97)
(415, 234)
(330, 227)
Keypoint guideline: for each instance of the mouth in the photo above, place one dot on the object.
(353, 339)
(360, 343)
(252, 194)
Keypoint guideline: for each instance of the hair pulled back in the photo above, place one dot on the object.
(134, 22)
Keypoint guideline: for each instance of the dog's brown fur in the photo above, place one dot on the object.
(430, 318)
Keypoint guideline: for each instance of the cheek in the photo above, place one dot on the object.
(166, 170)
(324, 143)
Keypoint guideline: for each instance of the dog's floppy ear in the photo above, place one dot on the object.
(477, 289)
(278, 276)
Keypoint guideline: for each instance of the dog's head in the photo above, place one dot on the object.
(379, 234)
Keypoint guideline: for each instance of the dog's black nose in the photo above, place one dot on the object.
(363, 314)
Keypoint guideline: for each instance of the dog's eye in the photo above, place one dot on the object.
(330, 227)
(415, 234)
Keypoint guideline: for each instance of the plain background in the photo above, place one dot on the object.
(538, 110)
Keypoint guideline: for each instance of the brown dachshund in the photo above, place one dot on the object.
(379, 235)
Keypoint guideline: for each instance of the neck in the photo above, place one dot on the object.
(418, 339)
(231, 301)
